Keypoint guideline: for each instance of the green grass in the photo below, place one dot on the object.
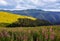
(42, 33)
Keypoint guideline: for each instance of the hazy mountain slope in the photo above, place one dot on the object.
(6, 17)
(52, 17)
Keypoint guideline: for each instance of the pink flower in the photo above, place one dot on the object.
(51, 30)
(46, 36)
(52, 36)
(1, 35)
(44, 31)
(5, 34)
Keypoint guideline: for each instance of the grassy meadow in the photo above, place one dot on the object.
(42, 33)
(26, 33)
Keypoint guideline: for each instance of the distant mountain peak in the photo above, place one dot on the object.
(19, 9)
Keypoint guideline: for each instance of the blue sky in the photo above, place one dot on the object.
(30, 4)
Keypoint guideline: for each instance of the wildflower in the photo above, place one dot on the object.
(46, 36)
(52, 36)
(5, 34)
(1, 35)
(51, 30)
(25, 37)
(44, 31)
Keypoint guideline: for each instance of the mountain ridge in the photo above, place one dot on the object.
(52, 17)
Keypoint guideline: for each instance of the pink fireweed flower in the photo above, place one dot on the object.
(51, 29)
(25, 37)
(46, 36)
(1, 35)
(5, 34)
(52, 35)
(44, 31)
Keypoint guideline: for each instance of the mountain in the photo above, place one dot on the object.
(52, 17)
(28, 12)
(9, 19)
(6, 17)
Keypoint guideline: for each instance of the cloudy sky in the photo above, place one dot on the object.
(30, 4)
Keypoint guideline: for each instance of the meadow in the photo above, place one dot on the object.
(42, 33)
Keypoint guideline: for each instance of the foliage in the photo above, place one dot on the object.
(3, 24)
(29, 34)
(25, 22)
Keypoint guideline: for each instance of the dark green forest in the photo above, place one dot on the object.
(28, 23)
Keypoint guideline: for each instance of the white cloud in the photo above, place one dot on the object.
(49, 1)
(31, 4)
(42, 2)
(3, 2)
(20, 7)
(24, 7)
(56, 10)
(37, 2)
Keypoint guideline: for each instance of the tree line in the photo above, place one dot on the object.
(25, 22)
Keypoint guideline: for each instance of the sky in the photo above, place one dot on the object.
(52, 5)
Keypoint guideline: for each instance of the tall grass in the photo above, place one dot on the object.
(32, 34)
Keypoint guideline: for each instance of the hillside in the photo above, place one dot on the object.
(6, 17)
(52, 17)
